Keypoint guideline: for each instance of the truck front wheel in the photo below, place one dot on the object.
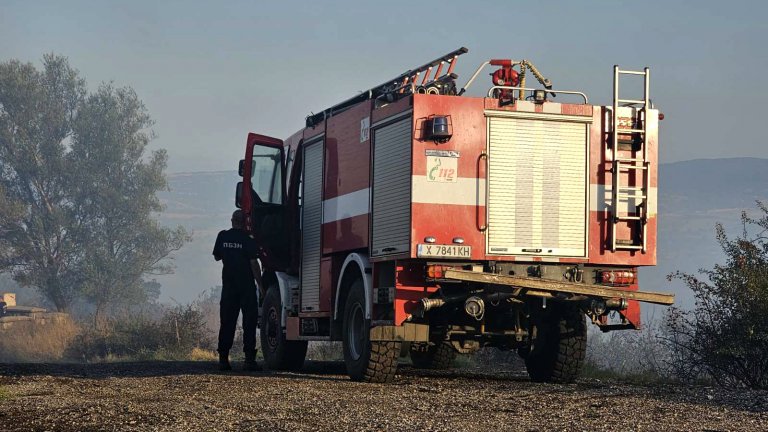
(279, 353)
(558, 346)
(366, 360)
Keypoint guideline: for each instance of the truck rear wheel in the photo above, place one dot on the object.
(279, 353)
(558, 348)
(439, 355)
(366, 360)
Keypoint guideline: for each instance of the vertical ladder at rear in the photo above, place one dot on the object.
(637, 164)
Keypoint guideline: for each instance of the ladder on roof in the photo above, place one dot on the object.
(403, 84)
(410, 78)
(638, 163)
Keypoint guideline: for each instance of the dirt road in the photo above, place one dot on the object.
(190, 396)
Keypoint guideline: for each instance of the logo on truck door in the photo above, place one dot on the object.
(442, 169)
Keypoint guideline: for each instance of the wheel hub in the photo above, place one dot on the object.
(355, 333)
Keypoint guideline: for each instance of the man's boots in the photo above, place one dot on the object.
(224, 362)
(250, 362)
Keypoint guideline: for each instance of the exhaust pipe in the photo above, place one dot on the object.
(431, 303)
(427, 304)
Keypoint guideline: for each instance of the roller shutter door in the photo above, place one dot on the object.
(312, 219)
(391, 209)
(537, 187)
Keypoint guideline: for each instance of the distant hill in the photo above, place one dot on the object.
(197, 200)
(693, 196)
(707, 184)
(203, 203)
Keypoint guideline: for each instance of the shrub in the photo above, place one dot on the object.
(726, 337)
(174, 335)
(187, 328)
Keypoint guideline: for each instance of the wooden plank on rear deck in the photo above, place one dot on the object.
(561, 287)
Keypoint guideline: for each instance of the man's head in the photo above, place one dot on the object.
(238, 219)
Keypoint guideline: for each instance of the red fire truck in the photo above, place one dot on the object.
(413, 218)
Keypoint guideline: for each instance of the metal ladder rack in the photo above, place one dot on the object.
(405, 83)
(639, 164)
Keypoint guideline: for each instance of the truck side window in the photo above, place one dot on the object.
(266, 174)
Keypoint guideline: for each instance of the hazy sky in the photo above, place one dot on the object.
(210, 73)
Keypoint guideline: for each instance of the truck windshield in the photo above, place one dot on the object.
(266, 174)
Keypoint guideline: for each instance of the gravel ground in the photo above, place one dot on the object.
(192, 396)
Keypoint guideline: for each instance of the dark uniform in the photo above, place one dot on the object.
(236, 249)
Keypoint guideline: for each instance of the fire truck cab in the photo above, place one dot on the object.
(414, 218)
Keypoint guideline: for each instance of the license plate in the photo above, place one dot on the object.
(444, 251)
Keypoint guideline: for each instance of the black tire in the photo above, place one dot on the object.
(439, 355)
(557, 351)
(366, 360)
(279, 353)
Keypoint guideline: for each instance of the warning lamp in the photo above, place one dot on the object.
(539, 96)
(617, 277)
(434, 271)
(437, 271)
(439, 128)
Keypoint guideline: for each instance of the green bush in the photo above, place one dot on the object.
(725, 338)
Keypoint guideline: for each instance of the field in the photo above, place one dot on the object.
(183, 396)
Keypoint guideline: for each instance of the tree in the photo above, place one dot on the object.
(725, 337)
(38, 228)
(152, 290)
(78, 189)
(115, 188)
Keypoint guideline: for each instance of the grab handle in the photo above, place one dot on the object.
(484, 226)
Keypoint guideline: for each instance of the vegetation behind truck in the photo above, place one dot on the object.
(414, 214)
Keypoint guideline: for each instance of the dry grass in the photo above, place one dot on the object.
(4, 395)
(199, 354)
(37, 341)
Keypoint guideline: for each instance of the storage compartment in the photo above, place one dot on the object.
(312, 219)
(391, 209)
(537, 185)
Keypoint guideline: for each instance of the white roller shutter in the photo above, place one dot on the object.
(391, 209)
(312, 219)
(537, 187)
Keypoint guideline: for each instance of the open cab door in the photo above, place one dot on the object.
(261, 196)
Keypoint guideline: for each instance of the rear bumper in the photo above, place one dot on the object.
(548, 288)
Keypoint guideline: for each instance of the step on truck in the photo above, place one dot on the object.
(414, 218)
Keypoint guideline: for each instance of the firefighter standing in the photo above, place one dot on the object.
(239, 276)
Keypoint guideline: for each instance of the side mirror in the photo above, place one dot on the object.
(241, 167)
(239, 194)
